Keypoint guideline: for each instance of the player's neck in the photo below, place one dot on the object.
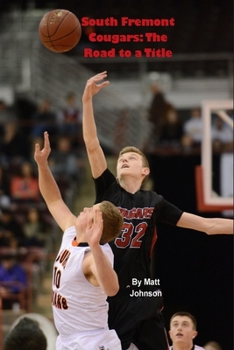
(182, 347)
(81, 238)
(130, 185)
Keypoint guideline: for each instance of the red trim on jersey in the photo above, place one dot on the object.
(75, 243)
(154, 239)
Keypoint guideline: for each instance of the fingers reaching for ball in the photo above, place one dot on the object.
(94, 85)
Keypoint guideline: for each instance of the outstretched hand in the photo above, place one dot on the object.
(92, 87)
(41, 156)
(94, 229)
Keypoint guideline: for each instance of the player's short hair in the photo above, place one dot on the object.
(214, 344)
(112, 221)
(187, 314)
(25, 335)
(133, 149)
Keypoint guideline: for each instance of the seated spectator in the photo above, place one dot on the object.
(69, 119)
(44, 119)
(26, 335)
(183, 330)
(14, 145)
(10, 272)
(11, 233)
(24, 187)
(193, 129)
(172, 130)
(212, 345)
(65, 162)
(5, 200)
(6, 115)
(222, 135)
(34, 229)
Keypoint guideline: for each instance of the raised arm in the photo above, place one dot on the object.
(49, 188)
(95, 153)
(211, 226)
(97, 263)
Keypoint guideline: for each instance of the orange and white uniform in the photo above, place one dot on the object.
(80, 309)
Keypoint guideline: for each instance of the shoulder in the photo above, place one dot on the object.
(69, 233)
(108, 252)
(196, 347)
(105, 182)
(106, 175)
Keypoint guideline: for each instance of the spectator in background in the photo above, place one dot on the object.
(222, 135)
(166, 127)
(10, 272)
(24, 187)
(69, 119)
(157, 111)
(25, 335)
(6, 115)
(68, 168)
(44, 119)
(5, 200)
(172, 130)
(14, 146)
(193, 130)
(34, 229)
(66, 163)
(11, 232)
(212, 345)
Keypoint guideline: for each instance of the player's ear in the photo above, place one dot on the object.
(145, 171)
(169, 333)
(194, 334)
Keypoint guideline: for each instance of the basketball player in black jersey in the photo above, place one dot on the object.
(135, 311)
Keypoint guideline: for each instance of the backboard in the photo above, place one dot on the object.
(207, 198)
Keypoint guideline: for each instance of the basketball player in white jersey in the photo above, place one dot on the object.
(183, 330)
(83, 274)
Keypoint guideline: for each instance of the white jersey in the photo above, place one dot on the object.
(195, 347)
(78, 306)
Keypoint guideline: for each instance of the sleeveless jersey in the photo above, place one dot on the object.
(132, 249)
(78, 306)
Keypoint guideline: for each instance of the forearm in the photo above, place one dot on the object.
(105, 275)
(220, 226)
(89, 125)
(95, 153)
(47, 184)
(211, 226)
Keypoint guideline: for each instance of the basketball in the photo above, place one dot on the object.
(59, 30)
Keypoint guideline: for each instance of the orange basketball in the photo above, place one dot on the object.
(60, 30)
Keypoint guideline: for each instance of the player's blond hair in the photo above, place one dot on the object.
(214, 344)
(112, 221)
(133, 149)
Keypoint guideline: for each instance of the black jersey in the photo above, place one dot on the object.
(133, 248)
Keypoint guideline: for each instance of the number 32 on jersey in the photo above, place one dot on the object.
(129, 237)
